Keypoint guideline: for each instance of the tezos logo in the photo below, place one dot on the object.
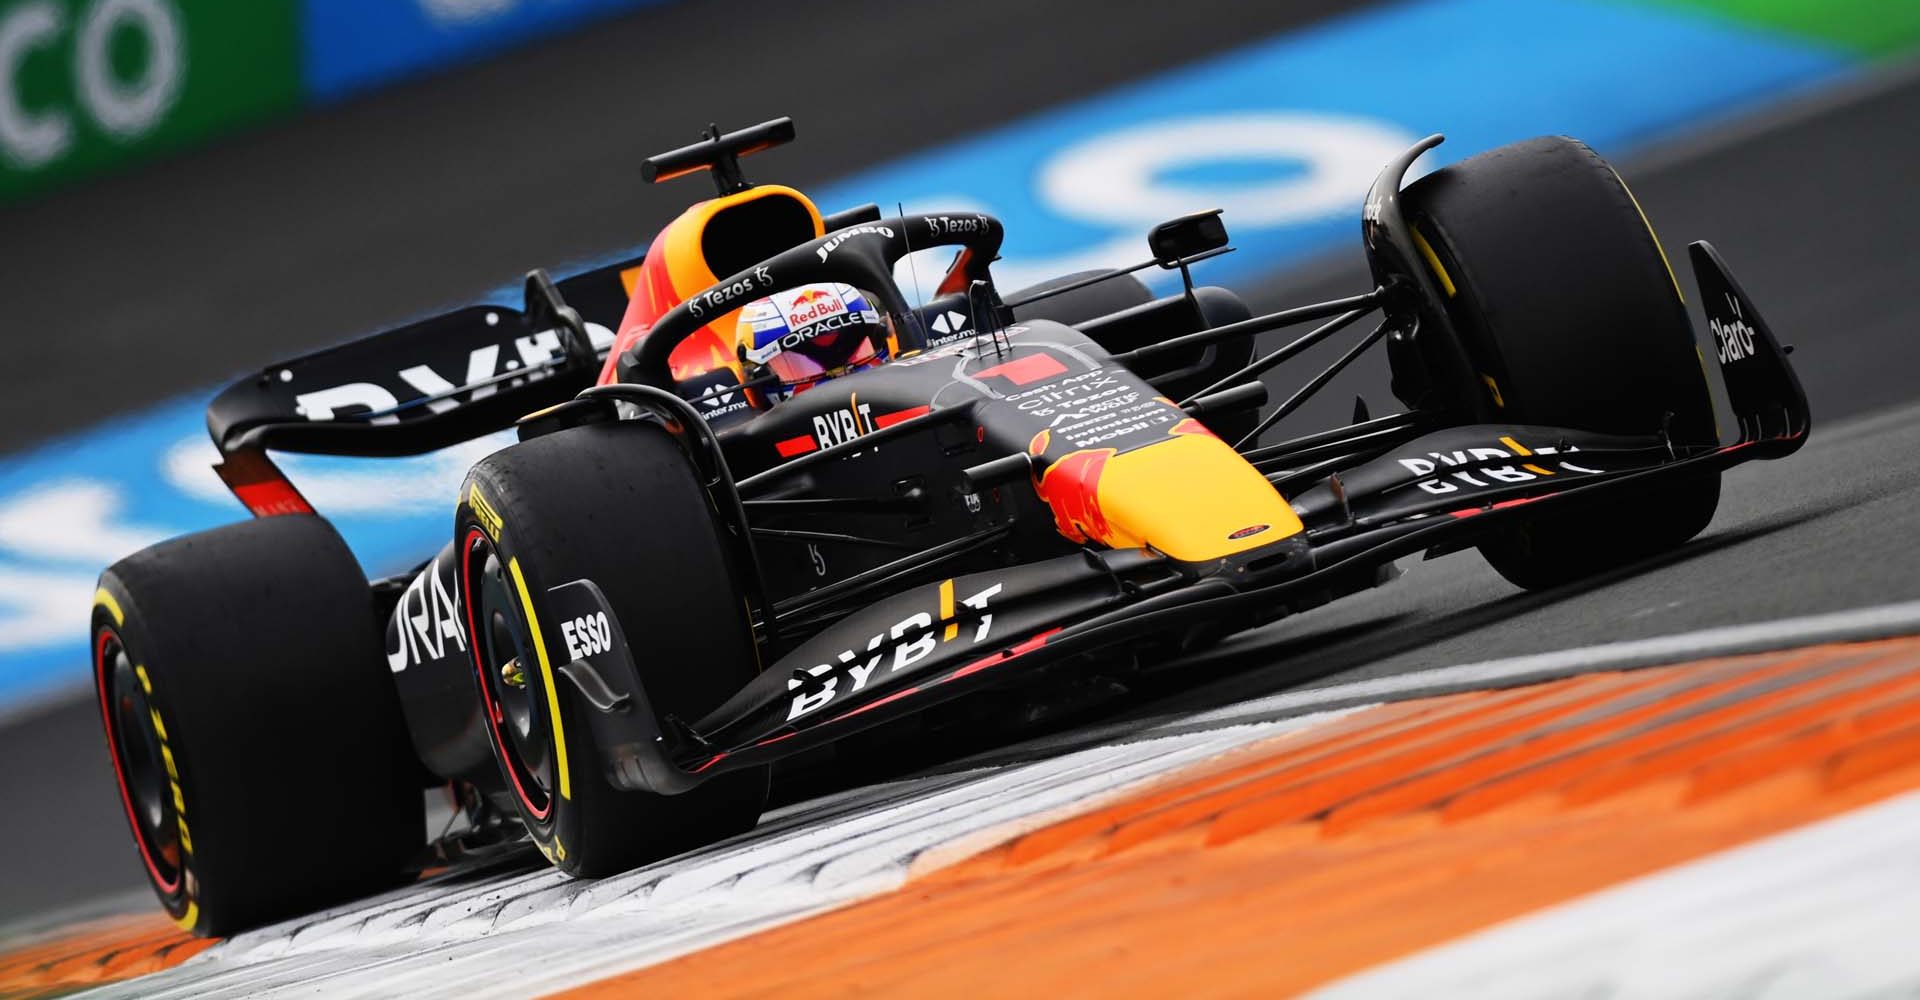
(587, 636)
(716, 297)
(943, 225)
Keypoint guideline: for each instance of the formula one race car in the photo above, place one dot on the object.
(674, 579)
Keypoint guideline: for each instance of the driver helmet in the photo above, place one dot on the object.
(807, 335)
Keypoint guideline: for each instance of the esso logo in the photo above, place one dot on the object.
(588, 636)
(123, 108)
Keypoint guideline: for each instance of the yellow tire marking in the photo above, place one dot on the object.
(146, 683)
(1494, 387)
(186, 920)
(1433, 261)
(546, 674)
(1516, 447)
(105, 600)
(1530, 467)
(483, 512)
(946, 609)
(1656, 236)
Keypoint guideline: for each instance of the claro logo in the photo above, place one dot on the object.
(124, 108)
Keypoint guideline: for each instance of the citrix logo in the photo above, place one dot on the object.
(124, 109)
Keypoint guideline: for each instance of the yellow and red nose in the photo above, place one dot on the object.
(1190, 497)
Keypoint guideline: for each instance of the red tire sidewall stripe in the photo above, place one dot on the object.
(486, 694)
(167, 888)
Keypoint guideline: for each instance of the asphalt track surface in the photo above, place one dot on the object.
(1807, 204)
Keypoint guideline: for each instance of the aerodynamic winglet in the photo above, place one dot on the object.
(1761, 385)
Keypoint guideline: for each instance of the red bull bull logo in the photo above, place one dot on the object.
(812, 305)
(1071, 486)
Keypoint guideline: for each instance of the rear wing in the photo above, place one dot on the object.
(425, 386)
(434, 383)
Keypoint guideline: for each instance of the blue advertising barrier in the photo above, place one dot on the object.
(349, 46)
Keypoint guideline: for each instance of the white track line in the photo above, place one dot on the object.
(536, 931)
(1857, 625)
(1826, 910)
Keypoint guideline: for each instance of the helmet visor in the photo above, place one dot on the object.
(823, 354)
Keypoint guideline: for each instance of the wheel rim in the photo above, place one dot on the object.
(139, 763)
(503, 659)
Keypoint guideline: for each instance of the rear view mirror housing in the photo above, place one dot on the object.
(1186, 237)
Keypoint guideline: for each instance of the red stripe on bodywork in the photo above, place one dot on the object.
(1470, 511)
(1022, 371)
(796, 446)
(272, 499)
(259, 484)
(1004, 655)
(886, 420)
(870, 706)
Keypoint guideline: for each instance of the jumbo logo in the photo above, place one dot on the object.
(849, 666)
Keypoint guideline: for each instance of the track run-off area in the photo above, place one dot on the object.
(1692, 777)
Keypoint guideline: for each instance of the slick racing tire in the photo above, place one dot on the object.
(254, 728)
(1571, 316)
(618, 504)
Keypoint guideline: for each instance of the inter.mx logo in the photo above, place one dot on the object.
(124, 108)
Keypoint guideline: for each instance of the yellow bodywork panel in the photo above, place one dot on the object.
(1193, 498)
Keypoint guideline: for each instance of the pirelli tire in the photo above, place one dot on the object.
(1572, 317)
(618, 504)
(254, 729)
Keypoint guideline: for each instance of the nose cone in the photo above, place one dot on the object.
(1190, 496)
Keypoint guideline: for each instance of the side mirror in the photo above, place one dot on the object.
(1188, 236)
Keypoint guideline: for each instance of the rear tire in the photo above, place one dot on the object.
(255, 732)
(618, 504)
(1571, 316)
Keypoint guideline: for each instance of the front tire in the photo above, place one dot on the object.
(254, 730)
(618, 504)
(1571, 316)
